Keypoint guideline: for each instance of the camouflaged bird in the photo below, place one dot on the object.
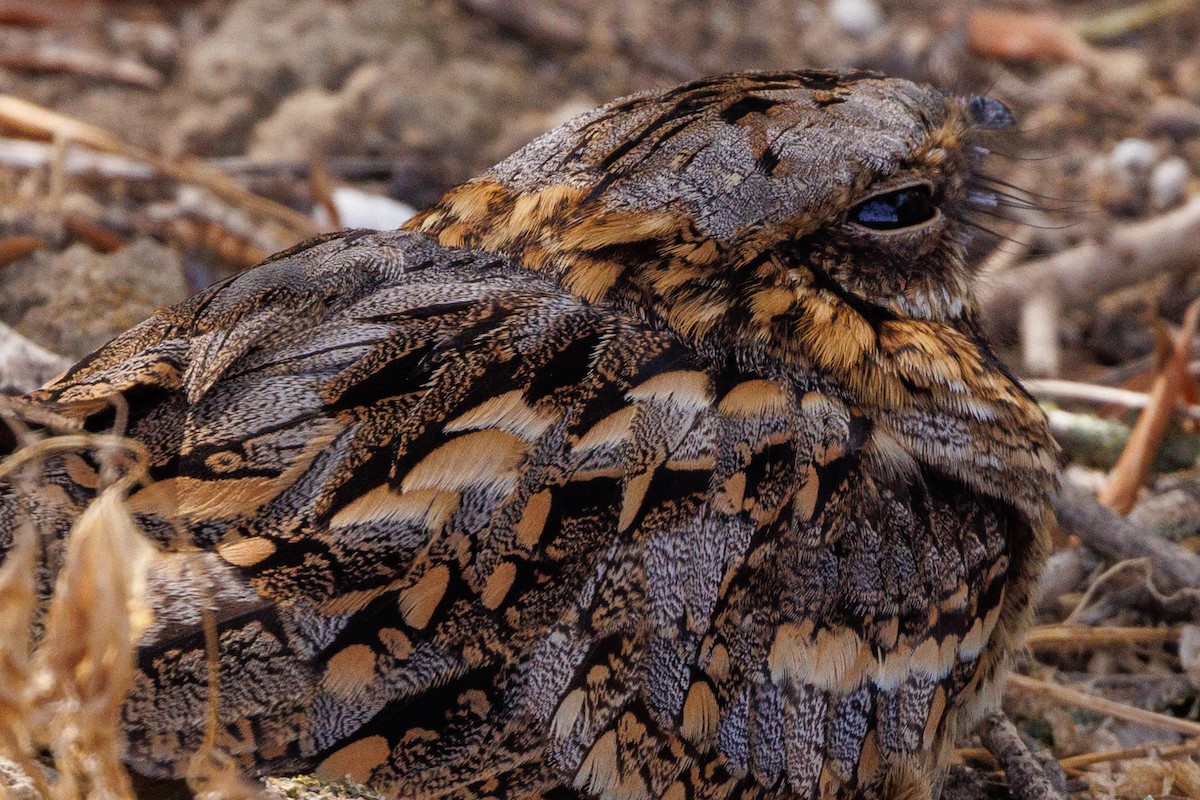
(664, 460)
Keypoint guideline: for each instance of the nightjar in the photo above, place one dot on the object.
(664, 460)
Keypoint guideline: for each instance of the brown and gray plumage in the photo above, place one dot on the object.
(664, 460)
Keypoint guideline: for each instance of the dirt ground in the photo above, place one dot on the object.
(332, 109)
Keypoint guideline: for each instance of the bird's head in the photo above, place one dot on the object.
(759, 209)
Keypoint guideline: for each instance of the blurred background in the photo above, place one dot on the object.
(150, 148)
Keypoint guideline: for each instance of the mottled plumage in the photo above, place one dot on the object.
(644, 466)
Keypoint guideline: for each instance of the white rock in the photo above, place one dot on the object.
(856, 17)
(1169, 182)
(359, 209)
(1133, 156)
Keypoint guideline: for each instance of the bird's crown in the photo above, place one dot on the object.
(709, 206)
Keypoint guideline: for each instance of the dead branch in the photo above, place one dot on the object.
(1027, 778)
(24, 154)
(1079, 637)
(1129, 753)
(1078, 276)
(1113, 537)
(1100, 705)
(1040, 353)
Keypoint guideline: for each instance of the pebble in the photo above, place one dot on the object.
(1133, 156)
(358, 209)
(856, 17)
(1169, 182)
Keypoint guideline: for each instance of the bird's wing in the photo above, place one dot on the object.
(468, 535)
(415, 467)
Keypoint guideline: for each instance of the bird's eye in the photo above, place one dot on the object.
(902, 208)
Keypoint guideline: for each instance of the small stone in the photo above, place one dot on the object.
(1133, 156)
(359, 209)
(1169, 182)
(858, 18)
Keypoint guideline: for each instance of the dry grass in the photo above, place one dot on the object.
(64, 690)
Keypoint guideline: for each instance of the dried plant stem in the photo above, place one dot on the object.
(1131, 468)
(1086, 702)
(47, 57)
(1055, 390)
(1075, 765)
(1129, 18)
(1040, 352)
(18, 599)
(1072, 637)
(1129, 753)
(32, 120)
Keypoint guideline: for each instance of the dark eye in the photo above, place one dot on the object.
(891, 211)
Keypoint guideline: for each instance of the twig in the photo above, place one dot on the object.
(14, 248)
(1086, 702)
(320, 184)
(1131, 468)
(1078, 276)
(1114, 538)
(35, 121)
(1129, 19)
(1078, 762)
(1130, 753)
(25, 154)
(1058, 390)
(1040, 352)
(1027, 778)
(1073, 637)
(74, 61)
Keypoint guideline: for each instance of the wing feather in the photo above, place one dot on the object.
(490, 539)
